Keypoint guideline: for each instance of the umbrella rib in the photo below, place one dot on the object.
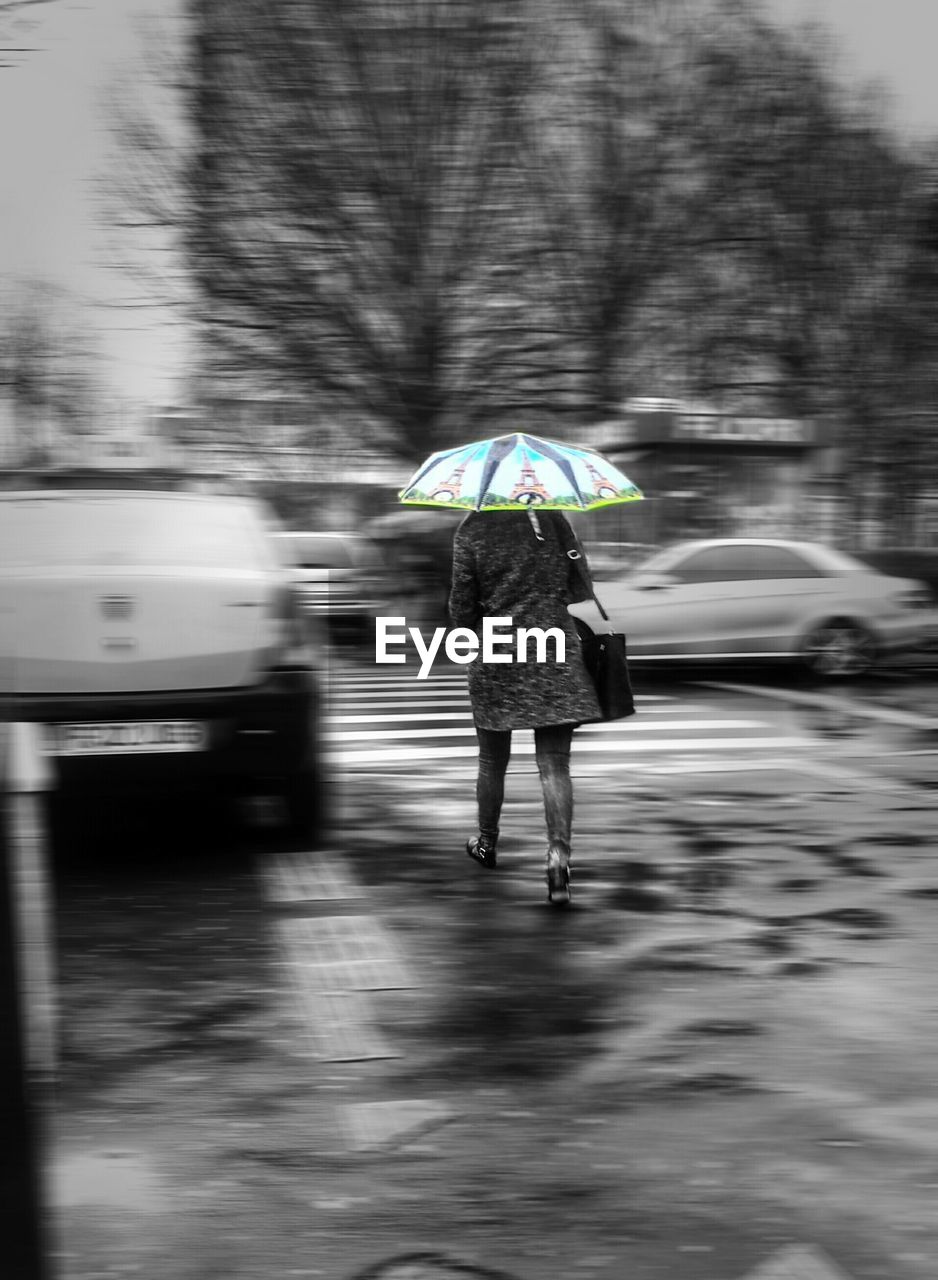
(431, 462)
(545, 447)
(496, 455)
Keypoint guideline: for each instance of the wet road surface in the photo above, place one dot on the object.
(283, 1062)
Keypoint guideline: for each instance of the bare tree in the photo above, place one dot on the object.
(799, 277)
(607, 160)
(902, 419)
(432, 215)
(345, 199)
(47, 373)
(800, 214)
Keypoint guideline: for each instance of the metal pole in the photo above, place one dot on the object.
(21, 1171)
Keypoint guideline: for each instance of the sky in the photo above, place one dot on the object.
(54, 151)
(892, 41)
(54, 147)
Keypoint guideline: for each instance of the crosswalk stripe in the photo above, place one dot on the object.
(392, 719)
(458, 693)
(387, 755)
(394, 691)
(361, 704)
(374, 735)
(431, 685)
(698, 763)
(404, 719)
(398, 681)
(399, 704)
(467, 715)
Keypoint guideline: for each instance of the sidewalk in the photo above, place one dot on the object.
(730, 1053)
(723, 1051)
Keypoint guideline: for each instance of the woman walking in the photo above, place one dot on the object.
(528, 567)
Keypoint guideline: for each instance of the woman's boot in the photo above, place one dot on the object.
(558, 874)
(482, 848)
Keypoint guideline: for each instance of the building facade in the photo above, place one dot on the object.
(262, 445)
(707, 473)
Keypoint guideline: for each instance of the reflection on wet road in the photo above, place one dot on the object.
(721, 1053)
(877, 732)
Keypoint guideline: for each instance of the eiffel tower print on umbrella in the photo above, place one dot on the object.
(518, 472)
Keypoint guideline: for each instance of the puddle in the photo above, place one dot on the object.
(117, 1179)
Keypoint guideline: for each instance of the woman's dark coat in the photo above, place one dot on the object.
(500, 569)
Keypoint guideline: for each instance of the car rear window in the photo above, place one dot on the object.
(95, 530)
(742, 563)
(831, 560)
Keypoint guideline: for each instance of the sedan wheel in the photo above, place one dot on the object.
(839, 649)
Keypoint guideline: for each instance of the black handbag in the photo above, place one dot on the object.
(604, 654)
(607, 663)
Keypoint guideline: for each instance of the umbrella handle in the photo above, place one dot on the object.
(535, 525)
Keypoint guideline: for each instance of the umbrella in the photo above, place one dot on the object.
(518, 472)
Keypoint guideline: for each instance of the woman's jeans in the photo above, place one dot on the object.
(552, 752)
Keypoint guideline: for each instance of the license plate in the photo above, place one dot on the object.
(125, 737)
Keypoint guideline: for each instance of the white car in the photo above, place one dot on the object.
(754, 599)
(339, 577)
(153, 635)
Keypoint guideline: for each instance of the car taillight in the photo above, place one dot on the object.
(292, 644)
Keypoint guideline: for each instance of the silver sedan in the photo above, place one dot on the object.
(752, 599)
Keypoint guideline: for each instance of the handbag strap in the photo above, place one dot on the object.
(575, 553)
(602, 611)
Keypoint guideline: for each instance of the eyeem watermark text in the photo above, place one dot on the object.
(499, 642)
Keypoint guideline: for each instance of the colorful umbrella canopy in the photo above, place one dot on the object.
(518, 472)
